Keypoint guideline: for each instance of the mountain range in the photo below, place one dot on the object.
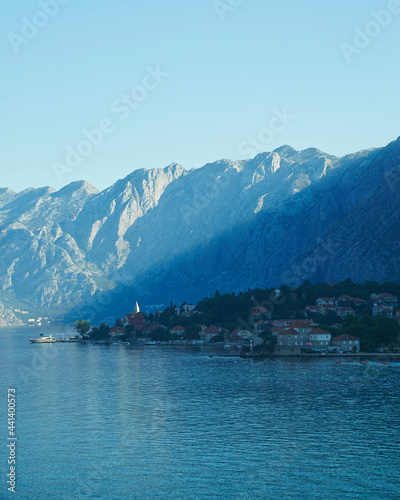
(172, 234)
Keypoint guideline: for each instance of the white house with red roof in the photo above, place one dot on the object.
(117, 331)
(320, 339)
(326, 301)
(388, 298)
(344, 299)
(383, 310)
(296, 334)
(345, 311)
(209, 333)
(178, 330)
(312, 309)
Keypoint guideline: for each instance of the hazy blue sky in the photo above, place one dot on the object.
(229, 73)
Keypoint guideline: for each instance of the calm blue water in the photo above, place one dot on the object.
(161, 423)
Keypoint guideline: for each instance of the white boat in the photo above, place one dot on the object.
(44, 339)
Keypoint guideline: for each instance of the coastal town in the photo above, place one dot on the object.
(322, 328)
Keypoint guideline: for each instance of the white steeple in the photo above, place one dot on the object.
(137, 309)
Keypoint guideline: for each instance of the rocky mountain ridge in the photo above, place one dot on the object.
(175, 234)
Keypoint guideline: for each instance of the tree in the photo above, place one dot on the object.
(82, 327)
(269, 341)
(101, 333)
(192, 332)
(104, 330)
(161, 335)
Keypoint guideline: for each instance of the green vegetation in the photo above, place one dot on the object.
(373, 332)
(101, 333)
(82, 327)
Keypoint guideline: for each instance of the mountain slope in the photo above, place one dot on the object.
(279, 218)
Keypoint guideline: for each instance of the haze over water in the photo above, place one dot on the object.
(166, 423)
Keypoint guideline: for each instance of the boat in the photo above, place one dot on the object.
(71, 339)
(44, 339)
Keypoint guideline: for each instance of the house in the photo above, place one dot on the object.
(245, 337)
(302, 327)
(117, 331)
(388, 298)
(184, 310)
(345, 311)
(209, 333)
(258, 312)
(377, 299)
(282, 322)
(288, 322)
(289, 337)
(346, 343)
(383, 310)
(289, 343)
(320, 339)
(312, 309)
(296, 334)
(326, 301)
(178, 330)
(357, 301)
(344, 300)
(326, 308)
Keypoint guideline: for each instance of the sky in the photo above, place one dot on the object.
(96, 89)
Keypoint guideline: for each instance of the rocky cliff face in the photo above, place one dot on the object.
(279, 218)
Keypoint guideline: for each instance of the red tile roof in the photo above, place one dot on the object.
(290, 331)
(211, 329)
(318, 331)
(344, 337)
